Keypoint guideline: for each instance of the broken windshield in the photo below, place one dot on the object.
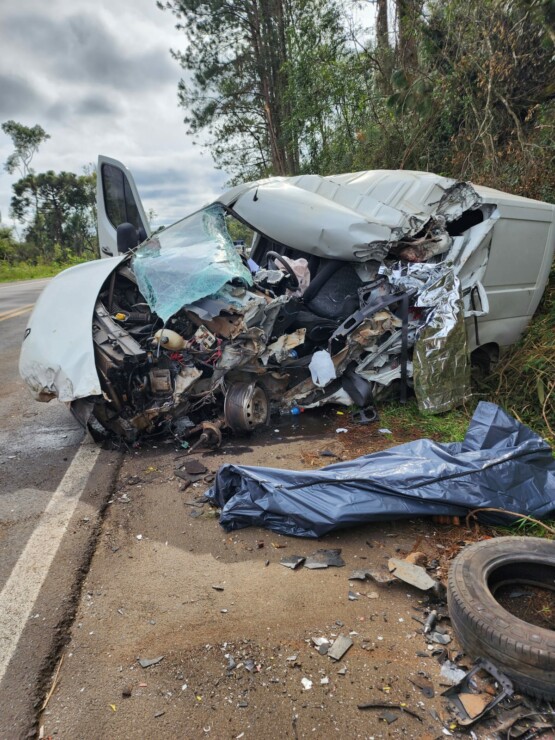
(192, 259)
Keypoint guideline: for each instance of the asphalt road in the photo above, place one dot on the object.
(38, 444)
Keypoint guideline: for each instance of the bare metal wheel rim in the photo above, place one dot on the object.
(246, 407)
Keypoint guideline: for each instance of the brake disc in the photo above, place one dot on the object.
(246, 407)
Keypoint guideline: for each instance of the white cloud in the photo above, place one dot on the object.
(98, 77)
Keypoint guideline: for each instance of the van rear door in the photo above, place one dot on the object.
(117, 202)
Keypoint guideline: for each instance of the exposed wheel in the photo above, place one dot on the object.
(246, 407)
(525, 652)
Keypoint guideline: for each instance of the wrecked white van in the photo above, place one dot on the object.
(353, 285)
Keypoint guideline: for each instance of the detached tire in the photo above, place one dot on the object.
(524, 652)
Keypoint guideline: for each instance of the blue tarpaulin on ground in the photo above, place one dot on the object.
(501, 463)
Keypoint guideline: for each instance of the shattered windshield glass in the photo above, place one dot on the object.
(189, 261)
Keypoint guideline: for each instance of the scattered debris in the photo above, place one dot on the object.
(147, 662)
(217, 587)
(424, 684)
(417, 558)
(414, 575)
(340, 647)
(440, 638)
(195, 467)
(292, 561)
(451, 672)
(307, 683)
(352, 596)
(430, 621)
(359, 575)
(382, 705)
(470, 705)
(325, 559)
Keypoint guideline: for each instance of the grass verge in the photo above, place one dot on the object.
(25, 271)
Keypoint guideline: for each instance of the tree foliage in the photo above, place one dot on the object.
(26, 141)
(59, 213)
(461, 87)
(243, 67)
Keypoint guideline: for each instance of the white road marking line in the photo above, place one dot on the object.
(29, 573)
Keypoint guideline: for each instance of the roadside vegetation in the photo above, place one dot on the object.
(55, 213)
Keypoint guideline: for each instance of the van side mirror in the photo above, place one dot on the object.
(127, 237)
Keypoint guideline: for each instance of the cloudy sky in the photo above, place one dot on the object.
(99, 78)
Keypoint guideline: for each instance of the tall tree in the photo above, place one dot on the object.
(59, 210)
(26, 141)
(238, 63)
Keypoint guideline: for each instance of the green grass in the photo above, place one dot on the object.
(525, 528)
(448, 427)
(25, 271)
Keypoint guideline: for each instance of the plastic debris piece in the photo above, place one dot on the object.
(451, 672)
(474, 704)
(352, 596)
(217, 587)
(340, 647)
(324, 681)
(307, 683)
(325, 559)
(292, 561)
(341, 430)
(414, 575)
(385, 431)
(469, 710)
(322, 368)
(440, 639)
(147, 662)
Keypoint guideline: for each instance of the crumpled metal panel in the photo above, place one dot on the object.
(501, 463)
(355, 216)
(57, 356)
(191, 260)
(441, 363)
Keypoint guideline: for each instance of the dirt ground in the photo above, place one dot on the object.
(233, 660)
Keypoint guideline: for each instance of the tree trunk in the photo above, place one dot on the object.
(408, 13)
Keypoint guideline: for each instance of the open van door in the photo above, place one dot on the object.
(117, 202)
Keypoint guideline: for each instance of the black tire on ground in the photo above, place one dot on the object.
(524, 652)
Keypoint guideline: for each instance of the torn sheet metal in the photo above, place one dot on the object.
(355, 216)
(501, 463)
(181, 265)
